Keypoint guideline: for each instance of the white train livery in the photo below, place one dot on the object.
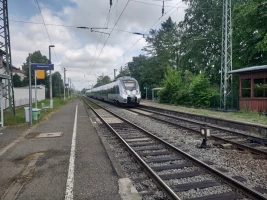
(123, 91)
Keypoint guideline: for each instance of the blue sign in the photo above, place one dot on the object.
(40, 66)
(66, 84)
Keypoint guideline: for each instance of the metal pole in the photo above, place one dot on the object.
(30, 90)
(64, 83)
(50, 81)
(146, 93)
(35, 89)
(68, 87)
(2, 112)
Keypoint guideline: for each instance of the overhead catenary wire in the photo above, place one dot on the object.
(99, 39)
(71, 26)
(109, 35)
(46, 28)
(147, 32)
(105, 25)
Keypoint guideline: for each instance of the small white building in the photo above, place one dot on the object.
(19, 72)
(21, 94)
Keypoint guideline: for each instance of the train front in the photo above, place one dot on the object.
(131, 94)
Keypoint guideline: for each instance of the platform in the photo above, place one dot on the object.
(60, 158)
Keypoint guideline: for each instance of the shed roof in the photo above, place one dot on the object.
(248, 69)
(157, 88)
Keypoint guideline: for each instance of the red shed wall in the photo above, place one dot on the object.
(255, 104)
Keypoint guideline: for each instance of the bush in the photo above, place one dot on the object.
(200, 92)
(186, 89)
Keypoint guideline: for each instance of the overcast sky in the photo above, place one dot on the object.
(78, 50)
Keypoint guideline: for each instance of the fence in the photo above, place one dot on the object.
(21, 96)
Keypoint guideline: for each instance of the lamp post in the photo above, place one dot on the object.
(50, 79)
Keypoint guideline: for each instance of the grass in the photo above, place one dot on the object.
(242, 115)
(19, 118)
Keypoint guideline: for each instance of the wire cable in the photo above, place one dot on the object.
(46, 28)
(147, 31)
(109, 36)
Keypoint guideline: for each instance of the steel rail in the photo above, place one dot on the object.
(241, 146)
(210, 125)
(241, 124)
(228, 180)
(169, 192)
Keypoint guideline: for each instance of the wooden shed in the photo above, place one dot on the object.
(252, 88)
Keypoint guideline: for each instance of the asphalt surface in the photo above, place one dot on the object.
(38, 168)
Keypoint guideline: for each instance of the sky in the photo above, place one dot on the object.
(84, 54)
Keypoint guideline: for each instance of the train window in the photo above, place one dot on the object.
(129, 85)
(117, 90)
(260, 88)
(246, 88)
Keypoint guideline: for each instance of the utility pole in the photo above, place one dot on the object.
(68, 87)
(64, 82)
(115, 73)
(226, 57)
(5, 52)
(50, 79)
(30, 90)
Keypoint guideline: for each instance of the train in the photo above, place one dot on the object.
(124, 91)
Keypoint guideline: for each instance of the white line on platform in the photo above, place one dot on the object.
(70, 181)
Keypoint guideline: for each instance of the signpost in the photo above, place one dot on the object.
(36, 66)
(41, 66)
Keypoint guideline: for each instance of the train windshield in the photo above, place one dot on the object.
(129, 85)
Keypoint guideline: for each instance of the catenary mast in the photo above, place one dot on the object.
(5, 54)
(226, 57)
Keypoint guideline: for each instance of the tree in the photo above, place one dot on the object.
(124, 72)
(146, 71)
(202, 28)
(249, 35)
(36, 57)
(17, 81)
(57, 84)
(102, 80)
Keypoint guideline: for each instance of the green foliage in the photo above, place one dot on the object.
(102, 80)
(200, 92)
(186, 89)
(36, 57)
(172, 84)
(162, 42)
(249, 34)
(124, 72)
(57, 84)
(19, 118)
(17, 81)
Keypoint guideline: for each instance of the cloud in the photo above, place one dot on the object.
(78, 49)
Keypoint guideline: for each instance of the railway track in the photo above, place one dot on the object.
(243, 141)
(170, 167)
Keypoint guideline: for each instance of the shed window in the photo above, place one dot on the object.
(246, 88)
(260, 88)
